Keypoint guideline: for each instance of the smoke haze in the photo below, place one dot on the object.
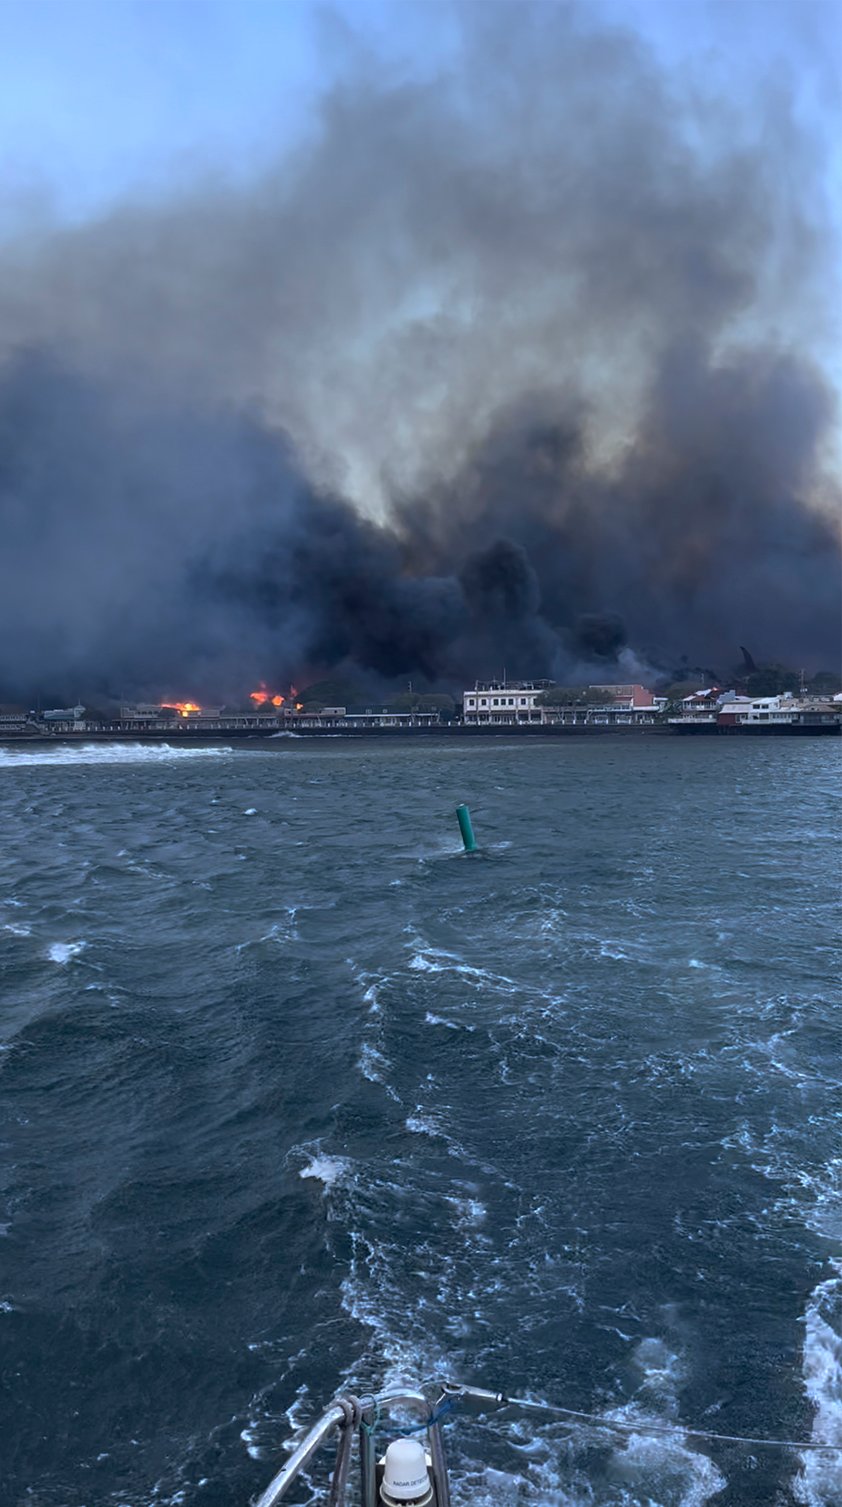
(520, 364)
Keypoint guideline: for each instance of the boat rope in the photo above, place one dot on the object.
(619, 1425)
(446, 1406)
(342, 1467)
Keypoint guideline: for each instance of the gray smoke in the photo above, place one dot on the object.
(522, 365)
(701, 532)
(151, 547)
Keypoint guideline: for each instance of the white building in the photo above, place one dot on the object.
(517, 702)
(745, 711)
(504, 701)
(727, 710)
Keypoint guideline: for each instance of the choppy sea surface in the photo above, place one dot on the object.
(295, 1095)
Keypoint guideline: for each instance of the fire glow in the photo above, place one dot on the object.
(184, 708)
(265, 698)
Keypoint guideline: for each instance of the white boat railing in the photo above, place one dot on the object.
(351, 1415)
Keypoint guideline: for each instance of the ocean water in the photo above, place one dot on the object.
(296, 1096)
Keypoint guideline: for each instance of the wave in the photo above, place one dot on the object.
(327, 1170)
(437, 960)
(430, 1019)
(372, 1063)
(105, 753)
(819, 1482)
(546, 1462)
(62, 952)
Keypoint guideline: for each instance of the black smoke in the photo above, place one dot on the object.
(702, 531)
(149, 547)
(521, 367)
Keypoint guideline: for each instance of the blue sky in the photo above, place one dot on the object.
(98, 97)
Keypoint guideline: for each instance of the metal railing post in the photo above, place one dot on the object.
(300, 1457)
(368, 1460)
(439, 1464)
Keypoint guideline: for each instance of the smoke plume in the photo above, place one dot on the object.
(519, 365)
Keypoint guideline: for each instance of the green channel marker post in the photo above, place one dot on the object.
(464, 817)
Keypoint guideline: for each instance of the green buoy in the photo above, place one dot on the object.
(464, 817)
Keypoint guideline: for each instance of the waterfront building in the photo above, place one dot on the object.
(513, 701)
(518, 703)
(725, 711)
(629, 698)
(13, 719)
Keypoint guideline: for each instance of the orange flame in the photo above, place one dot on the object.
(184, 708)
(261, 697)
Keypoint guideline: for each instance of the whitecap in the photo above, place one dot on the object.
(673, 1463)
(62, 952)
(421, 1122)
(105, 753)
(451, 1025)
(436, 960)
(470, 1212)
(373, 1064)
(250, 1435)
(370, 998)
(326, 1169)
(421, 964)
(662, 1369)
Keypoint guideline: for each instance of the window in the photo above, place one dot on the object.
(523, 701)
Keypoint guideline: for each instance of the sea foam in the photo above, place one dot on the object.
(104, 753)
(326, 1169)
(819, 1483)
(62, 952)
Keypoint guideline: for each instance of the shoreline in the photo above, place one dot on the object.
(216, 736)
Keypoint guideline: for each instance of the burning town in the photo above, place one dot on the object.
(420, 718)
(501, 707)
(554, 410)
